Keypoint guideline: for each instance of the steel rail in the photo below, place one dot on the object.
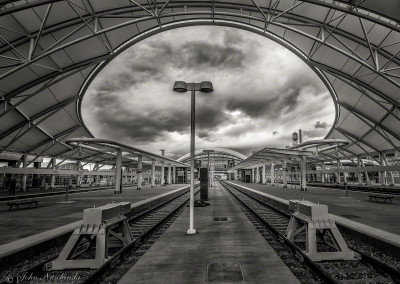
(39, 268)
(374, 262)
(281, 237)
(96, 276)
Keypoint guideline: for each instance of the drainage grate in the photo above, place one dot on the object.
(220, 219)
(350, 216)
(224, 272)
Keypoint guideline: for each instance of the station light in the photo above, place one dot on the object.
(182, 87)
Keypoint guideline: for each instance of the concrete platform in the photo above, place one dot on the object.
(179, 258)
(356, 206)
(34, 193)
(53, 212)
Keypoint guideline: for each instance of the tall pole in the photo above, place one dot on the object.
(153, 173)
(192, 230)
(118, 163)
(139, 172)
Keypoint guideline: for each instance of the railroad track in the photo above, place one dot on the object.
(146, 226)
(272, 223)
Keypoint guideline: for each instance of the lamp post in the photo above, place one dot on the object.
(183, 87)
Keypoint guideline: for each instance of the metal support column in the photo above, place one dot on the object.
(169, 174)
(382, 175)
(303, 173)
(272, 174)
(263, 179)
(24, 176)
(139, 173)
(284, 174)
(53, 176)
(118, 164)
(153, 174)
(162, 174)
(257, 174)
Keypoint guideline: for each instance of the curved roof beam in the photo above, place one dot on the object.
(352, 10)
(367, 119)
(114, 12)
(286, 25)
(356, 140)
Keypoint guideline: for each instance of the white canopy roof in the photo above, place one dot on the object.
(50, 51)
(215, 153)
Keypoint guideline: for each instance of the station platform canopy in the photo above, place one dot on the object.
(214, 153)
(51, 50)
(104, 151)
(271, 155)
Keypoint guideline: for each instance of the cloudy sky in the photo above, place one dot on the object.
(262, 93)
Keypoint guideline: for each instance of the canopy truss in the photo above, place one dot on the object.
(271, 155)
(51, 50)
(214, 154)
(105, 150)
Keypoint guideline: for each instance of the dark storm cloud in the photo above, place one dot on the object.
(142, 127)
(210, 116)
(211, 55)
(271, 105)
(321, 125)
(139, 126)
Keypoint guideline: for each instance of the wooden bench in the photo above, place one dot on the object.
(377, 196)
(25, 201)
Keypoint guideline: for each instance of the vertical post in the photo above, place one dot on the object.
(192, 230)
(153, 173)
(173, 174)
(382, 175)
(359, 174)
(169, 174)
(337, 173)
(257, 174)
(53, 176)
(118, 165)
(139, 172)
(303, 173)
(162, 173)
(185, 175)
(79, 176)
(263, 179)
(24, 176)
(323, 174)
(390, 174)
(284, 174)
(126, 175)
(272, 174)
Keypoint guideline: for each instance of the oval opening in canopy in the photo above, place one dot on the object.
(263, 92)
